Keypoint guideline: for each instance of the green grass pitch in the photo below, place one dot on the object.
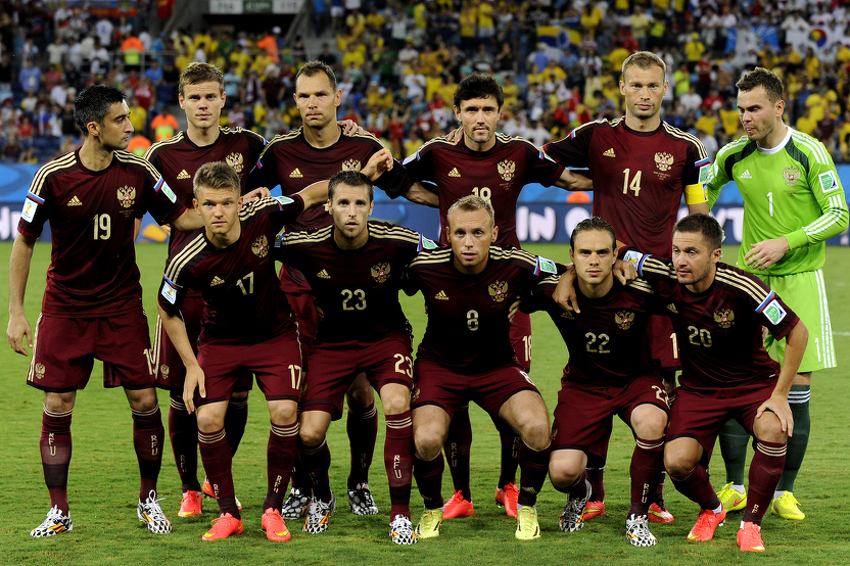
(104, 478)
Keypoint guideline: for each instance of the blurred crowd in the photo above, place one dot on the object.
(398, 63)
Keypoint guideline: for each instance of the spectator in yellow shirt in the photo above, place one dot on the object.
(591, 17)
(693, 51)
(806, 124)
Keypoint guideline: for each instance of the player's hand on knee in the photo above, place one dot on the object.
(778, 405)
(19, 334)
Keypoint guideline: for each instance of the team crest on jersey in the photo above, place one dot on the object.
(725, 318)
(664, 161)
(39, 371)
(260, 247)
(498, 291)
(381, 272)
(791, 175)
(507, 169)
(236, 161)
(127, 196)
(624, 319)
(164, 370)
(351, 165)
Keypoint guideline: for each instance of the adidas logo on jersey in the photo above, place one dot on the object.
(441, 296)
(609, 152)
(296, 174)
(184, 175)
(75, 201)
(216, 281)
(672, 308)
(454, 172)
(323, 274)
(745, 175)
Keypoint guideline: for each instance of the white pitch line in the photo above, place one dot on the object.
(841, 333)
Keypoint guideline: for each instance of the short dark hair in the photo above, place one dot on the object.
(93, 104)
(593, 224)
(762, 77)
(216, 175)
(350, 178)
(477, 85)
(311, 68)
(199, 72)
(471, 203)
(703, 224)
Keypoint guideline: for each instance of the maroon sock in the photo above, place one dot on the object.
(765, 471)
(696, 487)
(458, 446)
(398, 460)
(659, 488)
(596, 477)
(148, 436)
(647, 461)
(429, 478)
(534, 467)
(283, 445)
(217, 459)
(55, 446)
(234, 422)
(362, 429)
(183, 431)
(316, 461)
(509, 457)
(579, 489)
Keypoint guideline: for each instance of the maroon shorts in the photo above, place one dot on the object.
(170, 370)
(451, 391)
(521, 339)
(663, 344)
(276, 363)
(584, 415)
(701, 413)
(65, 348)
(333, 367)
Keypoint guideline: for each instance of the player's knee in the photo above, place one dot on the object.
(283, 413)
(650, 423)
(535, 434)
(360, 395)
(311, 436)
(563, 475)
(677, 463)
(142, 400)
(770, 429)
(209, 422)
(396, 404)
(428, 443)
(238, 396)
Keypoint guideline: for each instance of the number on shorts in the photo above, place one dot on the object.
(601, 339)
(526, 342)
(401, 359)
(295, 374)
(661, 395)
(358, 295)
(472, 320)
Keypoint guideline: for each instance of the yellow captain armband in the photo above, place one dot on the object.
(695, 194)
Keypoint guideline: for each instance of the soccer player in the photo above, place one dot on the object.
(793, 203)
(641, 169)
(94, 199)
(354, 269)
(311, 154)
(201, 95)
(494, 167)
(609, 373)
(718, 312)
(466, 355)
(246, 326)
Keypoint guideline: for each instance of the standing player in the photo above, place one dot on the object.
(355, 269)
(247, 326)
(793, 203)
(201, 95)
(718, 312)
(466, 355)
(94, 199)
(609, 373)
(641, 168)
(494, 167)
(311, 154)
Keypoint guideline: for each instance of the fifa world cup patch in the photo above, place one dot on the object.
(169, 292)
(828, 182)
(28, 213)
(774, 312)
(545, 266)
(426, 244)
(283, 200)
(632, 257)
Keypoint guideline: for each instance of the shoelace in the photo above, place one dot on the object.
(153, 508)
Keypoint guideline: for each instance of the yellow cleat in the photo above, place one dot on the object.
(786, 507)
(429, 524)
(527, 527)
(732, 499)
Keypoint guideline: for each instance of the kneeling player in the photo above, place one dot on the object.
(718, 312)
(247, 326)
(355, 269)
(608, 374)
(466, 355)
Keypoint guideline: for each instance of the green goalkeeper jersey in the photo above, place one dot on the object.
(791, 190)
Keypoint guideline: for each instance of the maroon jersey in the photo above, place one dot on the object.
(468, 328)
(357, 290)
(243, 301)
(719, 330)
(92, 217)
(293, 163)
(498, 174)
(178, 159)
(638, 177)
(607, 339)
